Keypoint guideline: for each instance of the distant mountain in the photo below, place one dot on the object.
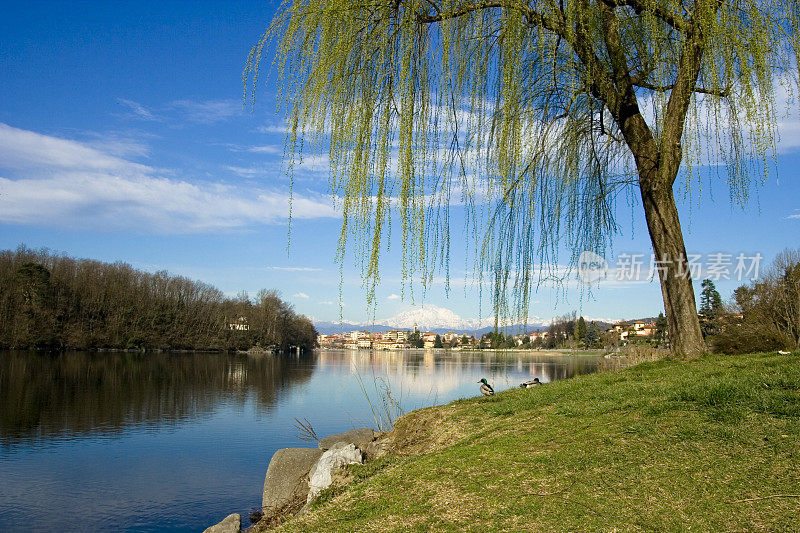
(430, 318)
(433, 317)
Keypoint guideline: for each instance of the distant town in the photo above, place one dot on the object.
(564, 333)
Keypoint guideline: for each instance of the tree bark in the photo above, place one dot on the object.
(661, 213)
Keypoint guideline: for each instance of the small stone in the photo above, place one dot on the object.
(231, 524)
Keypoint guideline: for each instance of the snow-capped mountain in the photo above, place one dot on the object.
(433, 317)
(427, 318)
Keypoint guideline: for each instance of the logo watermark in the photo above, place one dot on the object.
(741, 267)
(592, 267)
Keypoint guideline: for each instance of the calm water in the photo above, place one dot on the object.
(110, 441)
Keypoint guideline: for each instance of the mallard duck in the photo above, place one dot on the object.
(486, 389)
(532, 383)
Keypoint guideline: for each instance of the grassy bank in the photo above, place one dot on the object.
(712, 444)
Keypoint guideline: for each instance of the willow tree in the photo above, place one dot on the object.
(534, 116)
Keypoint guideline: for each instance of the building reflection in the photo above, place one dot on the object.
(425, 370)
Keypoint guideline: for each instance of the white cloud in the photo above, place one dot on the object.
(247, 172)
(796, 214)
(209, 111)
(59, 182)
(393, 297)
(314, 163)
(294, 269)
(139, 111)
(272, 129)
(788, 120)
(22, 149)
(120, 146)
(266, 149)
(301, 295)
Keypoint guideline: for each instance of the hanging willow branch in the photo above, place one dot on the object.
(501, 106)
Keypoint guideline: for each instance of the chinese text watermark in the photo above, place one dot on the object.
(715, 266)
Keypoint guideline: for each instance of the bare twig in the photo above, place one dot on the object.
(307, 432)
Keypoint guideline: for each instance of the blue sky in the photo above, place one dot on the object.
(123, 138)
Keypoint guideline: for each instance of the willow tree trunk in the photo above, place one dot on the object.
(658, 164)
(666, 236)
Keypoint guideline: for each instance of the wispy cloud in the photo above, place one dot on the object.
(294, 269)
(272, 128)
(266, 149)
(22, 149)
(247, 172)
(795, 215)
(139, 111)
(314, 163)
(301, 295)
(59, 182)
(120, 146)
(393, 297)
(208, 111)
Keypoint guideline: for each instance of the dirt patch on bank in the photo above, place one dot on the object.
(428, 430)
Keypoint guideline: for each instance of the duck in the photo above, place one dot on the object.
(532, 383)
(486, 389)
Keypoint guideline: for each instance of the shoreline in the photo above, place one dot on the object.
(607, 442)
(595, 352)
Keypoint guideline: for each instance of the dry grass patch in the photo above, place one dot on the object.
(429, 430)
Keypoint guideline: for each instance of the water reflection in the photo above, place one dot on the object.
(48, 395)
(150, 442)
(450, 375)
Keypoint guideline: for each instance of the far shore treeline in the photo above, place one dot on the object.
(58, 302)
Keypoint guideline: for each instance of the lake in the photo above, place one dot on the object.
(176, 441)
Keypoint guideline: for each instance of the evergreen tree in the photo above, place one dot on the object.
(415, 340)
(580, 330)
(710, 300)
(662, 327)
(592, 335)
(710, 309)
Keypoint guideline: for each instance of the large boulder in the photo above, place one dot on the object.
(286, 483)
(231, 524)
(321, 475)
(358, 437)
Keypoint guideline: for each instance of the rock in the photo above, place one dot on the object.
(231, 524)
(286, 482)
(376, 449)
(321, 474)
(358, 437)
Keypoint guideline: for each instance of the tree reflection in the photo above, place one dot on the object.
(47, 395)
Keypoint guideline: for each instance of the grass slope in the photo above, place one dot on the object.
(711, 444)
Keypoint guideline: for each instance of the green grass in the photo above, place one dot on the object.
(706, 445)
